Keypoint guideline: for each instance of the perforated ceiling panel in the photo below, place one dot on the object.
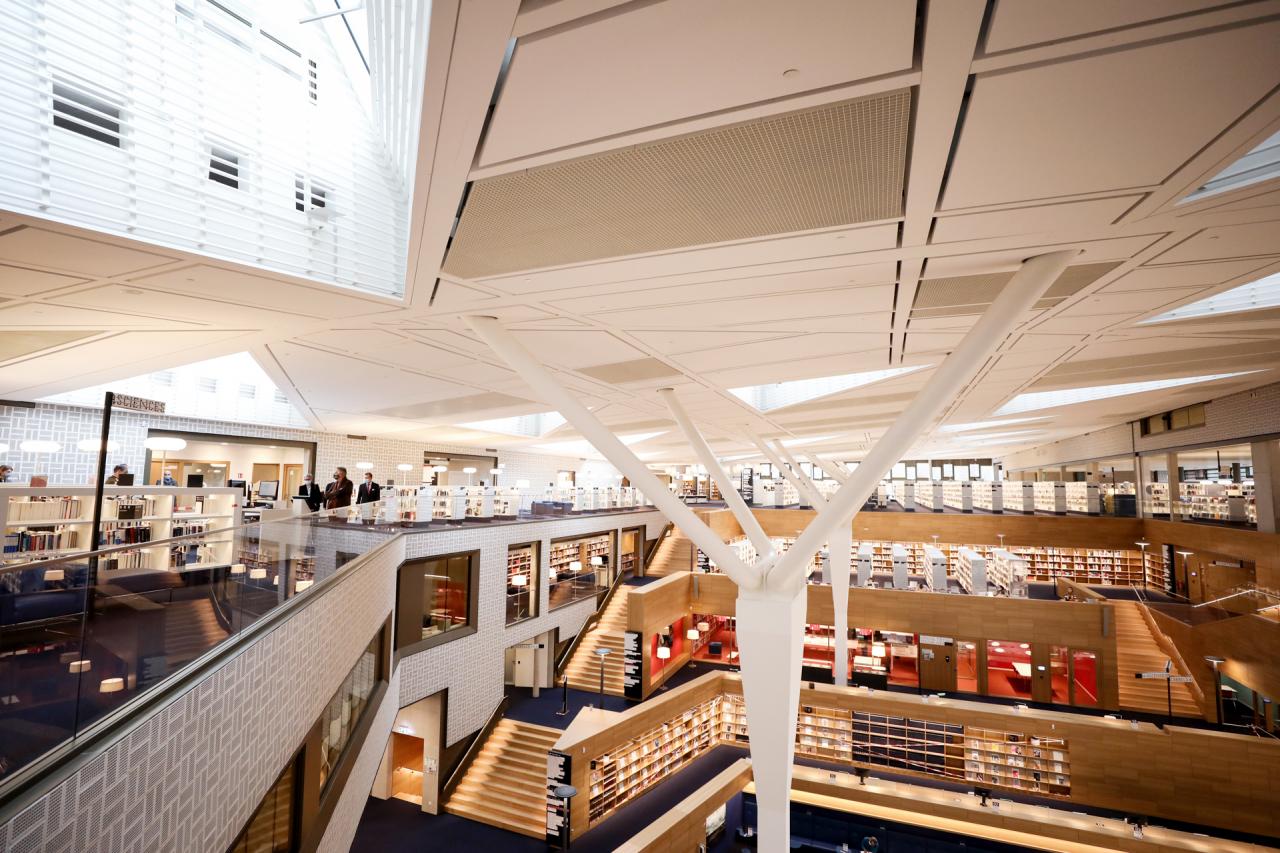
(834, 165)
(970, 294)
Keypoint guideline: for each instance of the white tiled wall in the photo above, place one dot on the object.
(70, 424)
(472, 667)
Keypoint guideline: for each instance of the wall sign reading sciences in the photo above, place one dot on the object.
(137, 404)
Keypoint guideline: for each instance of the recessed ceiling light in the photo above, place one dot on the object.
(1254, 296)
(1068, 396)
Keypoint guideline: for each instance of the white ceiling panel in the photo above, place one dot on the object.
(1007, 260)
(681, 341)
(343, 383)
(1109, 121)
(27, 246)
(732, 289)
(594, 78)
(1043, 219)
(1234, 241)
(19, 281)
(1191, 276)
(803, 346)
(764, 309)
(40, 315)
(578, 349)
(266, 291)
(178, 307)
(1027, 22)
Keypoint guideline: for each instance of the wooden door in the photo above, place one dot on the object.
(292, 480)
(938, 665)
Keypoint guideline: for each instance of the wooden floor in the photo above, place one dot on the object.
(583, 669)
(1137, 651)
(506, 784)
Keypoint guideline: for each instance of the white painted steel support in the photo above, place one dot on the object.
(750, 525)
(550, 391)
(949, 379)
(840, 552)
(833, 469)
(815, 496)
(770, 626)
(774, 459)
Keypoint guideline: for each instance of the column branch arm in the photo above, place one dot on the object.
(548, 389)
(746, 519)
(1031, 281)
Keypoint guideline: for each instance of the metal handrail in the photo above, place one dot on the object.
(563, 660)
(473, 749)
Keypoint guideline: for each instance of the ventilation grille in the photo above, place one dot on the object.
(971, 294)
(835, 165)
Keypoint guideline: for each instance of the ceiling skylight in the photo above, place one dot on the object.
(766, 398)
(585, 448)
(1068, 396)
(1263, 293)
(1260, 164)
(985, 424)
(529, 426)
(813, 439)
(231, 388)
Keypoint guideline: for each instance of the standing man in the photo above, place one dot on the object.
(311, 492)
(338, 494)
(370, 491)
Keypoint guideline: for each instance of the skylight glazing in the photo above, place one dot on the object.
(1263, 293)
(778, 395)
(1068, 396)
(217, 389)
(529, 426)
(1260, 164)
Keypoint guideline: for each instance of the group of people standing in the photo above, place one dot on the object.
(339, 491)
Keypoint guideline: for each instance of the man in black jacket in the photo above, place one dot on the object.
(311, 492)
(369, 490)
(338, 493)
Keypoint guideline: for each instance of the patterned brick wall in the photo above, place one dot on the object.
(1104, 443)
(70, 424)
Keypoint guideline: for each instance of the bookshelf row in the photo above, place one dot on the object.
(972, 754)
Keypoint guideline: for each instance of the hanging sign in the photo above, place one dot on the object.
(632, 666)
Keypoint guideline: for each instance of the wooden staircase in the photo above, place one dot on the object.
(506, 784)
(1138, 651)
(583, 669)
(675, 554)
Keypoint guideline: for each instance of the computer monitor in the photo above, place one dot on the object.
(195, 481)
(268, 490)
(239, 484)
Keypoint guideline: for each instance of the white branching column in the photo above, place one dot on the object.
(771, 595)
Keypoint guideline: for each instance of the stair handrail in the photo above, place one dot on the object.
(473, 749)
(1171, 651)
(563, 660)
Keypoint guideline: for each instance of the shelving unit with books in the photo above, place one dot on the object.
(623, 774)
(971, 571)
(1018, 496)
(1083, 498)
(988, 496)
(1037, 765)
(929, 495)
(39, 522)
(935, 569)
(958, 495)
(1050, 497)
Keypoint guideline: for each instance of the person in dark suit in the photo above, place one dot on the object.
(370, 491)
(310, 491)
(338, 493)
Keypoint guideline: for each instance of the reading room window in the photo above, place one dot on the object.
(207, 384)
(85, 114)
(249, 392)
(312, 81)
(224, 167)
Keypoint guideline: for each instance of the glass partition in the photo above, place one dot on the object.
(82, 634)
